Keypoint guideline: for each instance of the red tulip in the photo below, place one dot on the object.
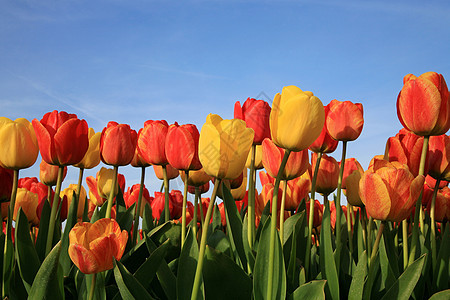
(328, 174)
(131, 196)
(318, 213)
(439, 157)
(152, 142)
(158, 205)
(117, 144)
(93, 247)
(389, 191)
(423, 104)
(344, 120)
(297, 163)
(256, 114)
(63, 138)
(182, 147)
(324, 143)
(406, 148)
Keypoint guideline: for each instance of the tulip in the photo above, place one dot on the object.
(296, 119)
(297, 190)
(197, 178)
(258, 158)
(344, 120)
(442, 205)
(352, 189)
(224, 146)
(318, 213)
(28, 201)
(181, 147)
(256, 114)
(101, 186)
(152, 141)
(240, 192)
(431, 182)
(48, 174)
(296, 165)
(389, 191)
(158, 205)
(130, 197)
(172, 173)
(439, 157)
(351, 165)
(92, 157)
(327, 175)
(19, 148)
(93, 247)
(63, 138)
(69, 191)
(324, 143)
(117, 144)
(138, 161)
(406, 148)
(423, 104)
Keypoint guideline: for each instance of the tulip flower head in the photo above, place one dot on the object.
(324, 143)
(117, 144)
(296, 119)
(182, 147)
(344, 120)
(63, 138)
(19, 148)
(256, 114)
(224, 146)
(93, 247)
(327, 175)
(92, 157)
(423, 104)
(152, 142)
(406, 148)
(439, 157)
(48, 174)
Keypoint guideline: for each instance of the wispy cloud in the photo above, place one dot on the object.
(183, 72)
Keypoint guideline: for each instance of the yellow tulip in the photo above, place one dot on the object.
(224, 146)
(19, 148)
(92, 157)
(69, 191)
(239, 193)
(258, 158)
(29, 202)
(296, 119)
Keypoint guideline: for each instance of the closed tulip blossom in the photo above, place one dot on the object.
(92, 157)
(197, 178)
(93, 247)
(389, 191)
(423, 104)
(117, 144)
(344, 120)
(318, 213)
(352, 188)
(406, 148)
(256, 114)
(130, 197)
(324, 143)
(297, 190)
(172, 173)
(152, 142)
(48, 174)
(439, 157)
(297, 163)
(158, 205)
(351, 165)
(69, 192)
(19, 148)
(224, 146)
(328, 174)
(28, 201)
(182, 147)
(296, 119)
(101, 185)
(63, 138)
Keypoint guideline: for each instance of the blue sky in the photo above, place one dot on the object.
(131, 61)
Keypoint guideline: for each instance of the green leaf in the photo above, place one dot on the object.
(129, 287)
(147, 220)
(248, 251)
(26, 255)
(387, 274)
(265, 214)
(41, 240)
(441, 274)
(216, 223)
(313, 290)
(234, 225)
(187, 266)
(327, 262)
(8, 258)
(135, 257)
(48, 283)
(64, 258)
(219, 241)
(261, 272)
(357, 285)
(405, 284)
(223, 278)
(442, 295)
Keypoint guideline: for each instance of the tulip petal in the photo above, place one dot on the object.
(45, 141)
(375, 196)
(71, 132)
(83, 259)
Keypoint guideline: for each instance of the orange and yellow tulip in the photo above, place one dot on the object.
(92, 157)
(344, 120)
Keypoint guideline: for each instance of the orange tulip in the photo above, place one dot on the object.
(423, 104)
(63, 138)
(352, 188)
(328, 174)
(117, 144)
(138, 161)
(48, 174)
(92, 157)
(256, 114)
(93, 247)
(182, 147)
(130, 197)
(442, 205)
(297, 190)
(324, 143)
(318, 213)
(344, 120)
(28, 201)
(296, 165)
(172, 173)
(197, 178)
(152, 142)
(351, 165)
(389, 191)
(439, 157)
(406, 148)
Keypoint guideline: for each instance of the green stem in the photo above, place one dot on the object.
(202, 218)
(338, 205)
(377, 243)
(166, 195)
(251, 199)
(283, 203)
(405, 243)
(201, 254)
(138, 208)
(311, 213)
(364, 225)
(433, 224)
(91, 292)
(183, 212)
(273, 223)
(196, 198)
(369, 236)
(349, 227)
(55, 204)
(112, 193)
(77, 198)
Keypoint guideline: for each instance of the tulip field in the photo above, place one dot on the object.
(106, 238)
